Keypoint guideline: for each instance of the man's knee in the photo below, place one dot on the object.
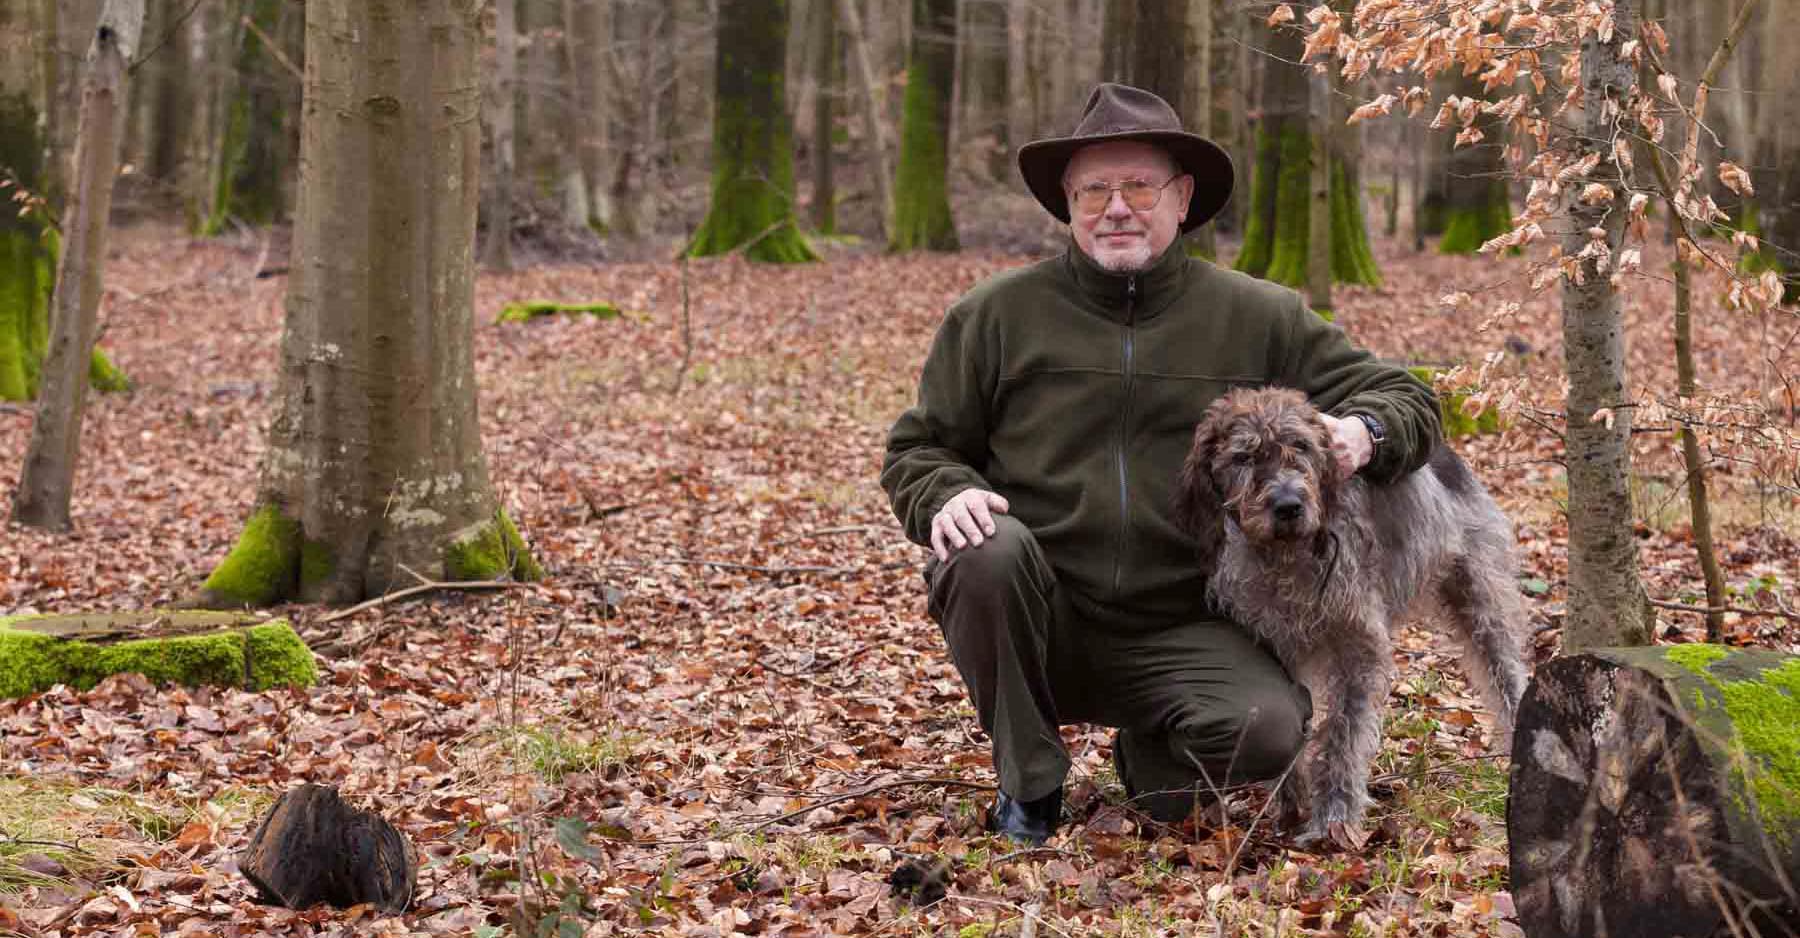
(1252, 739)
(1002, 559)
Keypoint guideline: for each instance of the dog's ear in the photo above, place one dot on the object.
(1198, 512)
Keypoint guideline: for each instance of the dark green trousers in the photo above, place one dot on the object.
(1198, 705)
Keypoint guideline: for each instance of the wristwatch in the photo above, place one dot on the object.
(1377, 432)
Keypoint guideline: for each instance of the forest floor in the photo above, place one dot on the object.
(725, 711)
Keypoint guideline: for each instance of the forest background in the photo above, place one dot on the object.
(714, 239)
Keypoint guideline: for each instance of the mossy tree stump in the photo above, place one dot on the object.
(220, 649)
(1656, 792)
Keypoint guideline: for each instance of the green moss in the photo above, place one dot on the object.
(1764, 712)
(259, 657)
(262, 567)
(493, 551)
(1279, 231)
(752, 205)
(278, 658)
(921, 191)
(527, 310)
(1456, 423)
(1467, 228)
(316, 563)
(104, 376)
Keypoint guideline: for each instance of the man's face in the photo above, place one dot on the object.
(1118, 238)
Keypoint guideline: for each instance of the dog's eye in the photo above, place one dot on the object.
(1242, 457)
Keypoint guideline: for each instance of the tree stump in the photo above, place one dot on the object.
(312, 847)
(81, 649)
(1656, 792)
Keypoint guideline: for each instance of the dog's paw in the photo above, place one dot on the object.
(1344, 836)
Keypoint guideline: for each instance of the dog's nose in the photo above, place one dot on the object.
(1288, 508)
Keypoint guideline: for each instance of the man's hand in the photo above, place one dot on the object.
(1350, 444)
(965, 521)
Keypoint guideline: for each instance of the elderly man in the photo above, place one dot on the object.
(1054, 410)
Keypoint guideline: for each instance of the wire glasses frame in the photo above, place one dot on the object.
(1140, 196)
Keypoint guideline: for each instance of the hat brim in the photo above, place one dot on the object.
(1043, 162)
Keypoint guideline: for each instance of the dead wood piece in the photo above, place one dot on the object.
(1651, 794)
(312, 847)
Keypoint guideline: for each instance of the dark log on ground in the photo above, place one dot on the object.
(312, 847)
(1655, 793)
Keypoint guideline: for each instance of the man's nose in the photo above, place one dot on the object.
(1115, 205)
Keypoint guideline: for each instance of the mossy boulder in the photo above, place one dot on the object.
(527, 310)
(193, 648)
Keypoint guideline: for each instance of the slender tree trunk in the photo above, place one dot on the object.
(174, 96)
(1607, 602)
(1318, 232)
(1777, 203)
(1476, 206)
(873, 107)
(72, 28)
(256, 144)
(921, 188)
(496, 252)
(752, 207)
(1277, 233)
(48, 477)
(592, 32)
(27, 258)
(1195, 65)
(825, 51)
(571, 175)
(374, 464)
(1020, 89)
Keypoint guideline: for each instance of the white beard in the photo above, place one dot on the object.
(1124, 260)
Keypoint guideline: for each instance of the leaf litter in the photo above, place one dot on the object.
(725, 711)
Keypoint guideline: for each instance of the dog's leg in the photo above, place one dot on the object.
(1357, 683)
(1482, 596)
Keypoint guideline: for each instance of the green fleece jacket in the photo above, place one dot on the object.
(1074, 392)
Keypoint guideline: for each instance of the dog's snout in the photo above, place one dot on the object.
(1287, 506)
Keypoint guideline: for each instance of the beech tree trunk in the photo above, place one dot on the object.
(1654, 794)
(27, 261)
(1476, 207)
(825, 52)
(48, 477)
(873, 104)
(496, 252)
(921, 186)
(1607, 602)
(591, 36)
(374, 462)
(1318, 218)
(256, 144)
(752, 207)
(1020, 88)
(1277, 231)
(1777, 169)
(1197, 97)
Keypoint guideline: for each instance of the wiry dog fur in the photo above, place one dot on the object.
(1324, 569)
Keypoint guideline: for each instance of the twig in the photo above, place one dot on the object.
(757, 568)
(1740, 610)
(425, 587)
(687, 329)
(824, 532)
(864, 793)
(274, 48)
(169, 33)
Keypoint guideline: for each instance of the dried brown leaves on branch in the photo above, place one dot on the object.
(1527, 55)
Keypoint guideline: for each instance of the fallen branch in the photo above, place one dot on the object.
(757, 568)
(816, 666)
(826, 532)
(410, 591)
(1779, 613)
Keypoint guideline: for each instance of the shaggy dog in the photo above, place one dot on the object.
(1323, 569)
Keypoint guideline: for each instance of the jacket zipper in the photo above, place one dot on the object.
(1124, 421)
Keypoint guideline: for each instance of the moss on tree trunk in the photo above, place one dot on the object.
(752, 206)
(1475, 207)
(38, 652)
(921, 181)
(1276, 238)
(257, 147)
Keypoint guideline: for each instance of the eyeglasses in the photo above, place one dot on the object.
(1140, 196)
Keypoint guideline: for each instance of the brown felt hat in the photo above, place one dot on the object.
(1121, 112)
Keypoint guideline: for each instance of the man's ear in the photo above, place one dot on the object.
(1197, 499)
(1185, 189)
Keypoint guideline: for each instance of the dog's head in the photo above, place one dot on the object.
(1261, 457)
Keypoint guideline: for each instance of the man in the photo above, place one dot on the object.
(1054, 411)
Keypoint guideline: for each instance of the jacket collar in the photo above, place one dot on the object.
(1157, 286)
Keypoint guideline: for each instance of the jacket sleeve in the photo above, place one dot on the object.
(1343, 380)
(939, 447)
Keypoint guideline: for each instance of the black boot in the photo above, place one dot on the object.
(1028, 822)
